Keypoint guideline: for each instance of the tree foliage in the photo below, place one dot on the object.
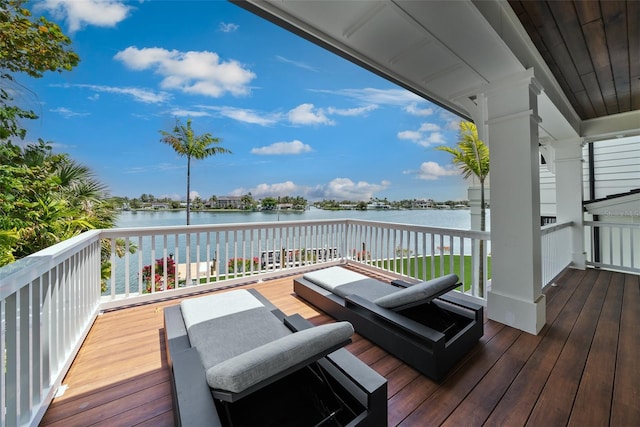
(471, 155)
(187, 144)
(31, 46)
(46, 198)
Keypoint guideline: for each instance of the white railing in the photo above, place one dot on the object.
(175, 259)
(556, 250)
(49, 300)
(422, 252)
(614, 246)
(219, 253)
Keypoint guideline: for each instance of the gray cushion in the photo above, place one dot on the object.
(332, 277)
(224, 337)
(420, 292)
(196, 310)
(366, 288)
(249, 368)
(226, 324)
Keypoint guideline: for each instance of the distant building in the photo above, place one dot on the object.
(229, 202)
(422, 204)
(348, 206)
(378, 205)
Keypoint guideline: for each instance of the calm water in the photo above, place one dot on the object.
(458, 218)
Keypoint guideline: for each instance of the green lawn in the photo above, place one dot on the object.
(410, 265)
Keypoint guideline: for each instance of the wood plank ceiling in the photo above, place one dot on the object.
(592, 48)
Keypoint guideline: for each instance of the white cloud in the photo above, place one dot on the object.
(240, 114)
(296, 63)
(453, 124)
(227, 27)
(346, 189)
(189, 113)
(435, 138)
(163, 167)
(432, 171)
(429, 127)
(359, 111)
(414, 110)
(377, 96)
(140, 95)
(293, 147)
(78, 14)
(261, 191)
(247, 116)
(452, 121)
(425, 136)
(193, 194)
(338, 189)
(67, 113)
(200, 73)
(411, 135)
(307, 114)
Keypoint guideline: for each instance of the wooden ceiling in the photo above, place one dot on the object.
(592, 48)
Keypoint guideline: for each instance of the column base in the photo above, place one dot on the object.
(579, 260)
(527, 316)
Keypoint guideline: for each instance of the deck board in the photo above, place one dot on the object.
(626, 394)
(556, 400)
(121, 377)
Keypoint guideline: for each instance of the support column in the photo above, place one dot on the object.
(569, 194)
(516, 297)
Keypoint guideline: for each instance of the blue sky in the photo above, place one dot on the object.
(299, 120)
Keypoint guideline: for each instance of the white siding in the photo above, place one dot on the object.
(617, 166)
(547, 192)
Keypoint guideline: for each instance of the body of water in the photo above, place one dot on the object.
(445, 218)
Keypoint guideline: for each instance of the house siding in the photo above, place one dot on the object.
(617, 167)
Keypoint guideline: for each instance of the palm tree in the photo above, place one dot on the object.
(471, 155)
(187, 144)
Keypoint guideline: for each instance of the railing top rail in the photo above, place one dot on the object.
(458, 232)
(612, 224)
(200, 228)
(550, 228)
(176, 229)
(13, 276)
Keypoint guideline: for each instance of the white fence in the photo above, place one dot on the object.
(48, 303)
(556, 250)
(614, 246)
(49, 300)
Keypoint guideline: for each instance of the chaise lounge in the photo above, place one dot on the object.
(420, 323)
(236, 359)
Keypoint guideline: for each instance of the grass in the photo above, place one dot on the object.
(415, 267)
(412, 266)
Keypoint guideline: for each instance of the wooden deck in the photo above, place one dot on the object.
(581, 370)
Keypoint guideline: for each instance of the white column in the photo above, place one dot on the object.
(516, 297)
(478, 111)
(473, 194)
(569, 194)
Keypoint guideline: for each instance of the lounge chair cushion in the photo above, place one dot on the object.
(213, 323)
(343, 283)
(249, 368)
(333, 277)
(422, 292)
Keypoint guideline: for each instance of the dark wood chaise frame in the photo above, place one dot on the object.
(418, 335)
(194, 400)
